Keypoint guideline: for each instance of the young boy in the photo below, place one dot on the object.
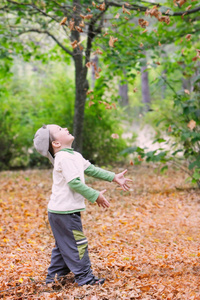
(67, 202)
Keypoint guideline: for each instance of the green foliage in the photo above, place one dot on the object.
(179, 128)
(41, 94)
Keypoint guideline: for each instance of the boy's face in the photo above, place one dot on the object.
(61, 136)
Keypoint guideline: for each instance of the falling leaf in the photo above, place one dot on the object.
(144, 31)
(131, 163)
(140, 158)
(74, 44)
(115, 136)
(91, 103)
(117, 16)
(141, 44)
(188, 37)
(170, 129)
(88, 17)
(187, 92)
(80, 47)
(63, 21)
(102, 6)
(159, 43)
(187, 8)
(81, 24)
(71, 25)
(143, 23)
(89, 64)
(97, 51)
(191, 124)
(97, 75)
(125, 11)
(79, 29)
(112, 41)
(181, 2)
(89, 92)
(135, 90)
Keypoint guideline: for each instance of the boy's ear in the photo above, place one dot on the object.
(56, 144)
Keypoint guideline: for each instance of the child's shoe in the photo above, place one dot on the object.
(96, 281)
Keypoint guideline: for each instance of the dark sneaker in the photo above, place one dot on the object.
(96, 281)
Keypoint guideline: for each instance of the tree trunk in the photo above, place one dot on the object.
(145, 88)
(80, 98)
(123, 93)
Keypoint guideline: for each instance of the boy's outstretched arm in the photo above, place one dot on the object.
(122, 181)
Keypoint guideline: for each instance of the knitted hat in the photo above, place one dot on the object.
(41, 142)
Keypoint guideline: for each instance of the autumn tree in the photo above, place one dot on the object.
(74, 26)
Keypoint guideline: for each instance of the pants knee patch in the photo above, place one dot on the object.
(81, 242)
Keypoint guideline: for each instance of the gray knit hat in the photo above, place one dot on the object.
(41, 142)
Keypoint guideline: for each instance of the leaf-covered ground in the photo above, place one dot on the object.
(146, 245)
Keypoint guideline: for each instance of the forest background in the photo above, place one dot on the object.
(100, 69)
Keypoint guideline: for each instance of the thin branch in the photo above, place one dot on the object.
(52, 36)
(188, 12)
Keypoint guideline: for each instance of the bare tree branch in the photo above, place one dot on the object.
(51, 35)
(187, 12)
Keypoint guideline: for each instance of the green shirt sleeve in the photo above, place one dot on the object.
(99, 173)
(79, 187)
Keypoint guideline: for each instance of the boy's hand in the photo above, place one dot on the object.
(122, 181)
(101, 200)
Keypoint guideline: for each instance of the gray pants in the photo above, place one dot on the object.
(71, 249)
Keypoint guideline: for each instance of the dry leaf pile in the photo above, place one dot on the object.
(146, 245)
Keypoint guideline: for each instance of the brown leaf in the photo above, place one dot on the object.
(188, 37)
(117, 16)
(112, 41)
(125, 11)
(187, 8)
(91, 103)
(74, 44)
(191, 124)
(169, 128)
(140, 158)
(114, 135)
(144, 31)
(187, 92)
(143, 23)
(71, 25)
(89, 64)
(63, 21)
(79, 29)
(89, 92)
(97, 51)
